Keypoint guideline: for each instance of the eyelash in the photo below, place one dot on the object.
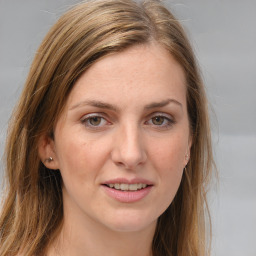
(169, 122)
(86, 121)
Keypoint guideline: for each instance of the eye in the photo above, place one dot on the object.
(161, 121)
(94, 121)
(158, 120)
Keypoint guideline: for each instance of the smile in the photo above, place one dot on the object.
(127, 187)
(127, 191)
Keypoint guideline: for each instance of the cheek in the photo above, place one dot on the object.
(79, 157)
(169, 154)
(168, 159)
(78, 166)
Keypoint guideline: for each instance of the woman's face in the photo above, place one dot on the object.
(122, 139)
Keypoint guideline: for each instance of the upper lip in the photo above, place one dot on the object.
(128, 181)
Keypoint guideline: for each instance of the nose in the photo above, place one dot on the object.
(128, 148)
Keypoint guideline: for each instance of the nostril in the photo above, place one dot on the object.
(119, 164)
(128, 152)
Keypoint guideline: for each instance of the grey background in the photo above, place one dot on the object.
(223, 35)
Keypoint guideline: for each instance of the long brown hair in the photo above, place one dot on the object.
(32, 212)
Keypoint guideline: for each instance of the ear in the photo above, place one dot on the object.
(187, 155)
(47, 152)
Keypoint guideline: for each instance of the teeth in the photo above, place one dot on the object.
(124, 186)
(134, 186)
(127, 187)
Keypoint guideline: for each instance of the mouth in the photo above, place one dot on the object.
(127, 187)
(127, 191)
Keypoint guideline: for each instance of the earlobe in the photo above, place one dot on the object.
(48, 159)
(187, 156)
(47, 153)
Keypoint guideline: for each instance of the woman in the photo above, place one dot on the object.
(109, 148)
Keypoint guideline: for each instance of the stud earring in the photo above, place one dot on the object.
(186, 156)
(49, 159)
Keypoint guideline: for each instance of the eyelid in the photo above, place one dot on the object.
(170, 119)
(169, 116)
(92, 115)
(86, 117)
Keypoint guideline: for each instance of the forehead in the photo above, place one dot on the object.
(142, 72)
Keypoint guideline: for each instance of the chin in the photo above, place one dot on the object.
(131, 223)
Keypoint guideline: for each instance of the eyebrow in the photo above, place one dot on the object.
(104, 105)
(95, 103)
(162, 104)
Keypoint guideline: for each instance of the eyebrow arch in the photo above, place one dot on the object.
(104, 105)
(162, 104)
(95, 103)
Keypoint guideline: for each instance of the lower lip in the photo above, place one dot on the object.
(127, 196)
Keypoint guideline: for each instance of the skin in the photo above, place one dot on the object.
(133, 139)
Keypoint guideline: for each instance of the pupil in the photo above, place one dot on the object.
(95, 120)
(158, 120)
